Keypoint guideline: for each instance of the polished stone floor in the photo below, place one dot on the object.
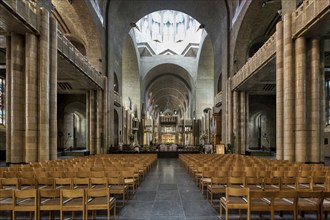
(168, 193)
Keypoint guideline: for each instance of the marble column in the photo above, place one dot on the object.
(315, 101)
(243, 121)
(236, 118)
(99, 122)
(300, 100)
(279, 91)
(8, 99)
(44, 86)
(31, 98)
(92, 124)
(17, 99)
(288, 88)
(53, 90)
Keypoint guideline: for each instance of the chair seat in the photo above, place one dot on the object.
(6, 204)
(234, 200)
(73, 203)
(309, 203)
(130, 181)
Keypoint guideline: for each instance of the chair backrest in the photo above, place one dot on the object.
(100, 192)
(79, 182)
(12, 183)
(25, 194)
(63, 182)
(8, 196)
(99, 182)
(45, 182)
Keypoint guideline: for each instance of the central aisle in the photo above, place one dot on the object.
(168, 193)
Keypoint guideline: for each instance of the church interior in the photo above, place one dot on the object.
(127, 109)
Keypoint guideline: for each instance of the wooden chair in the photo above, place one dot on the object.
(118, 186)
(236, 198)
(10, 183)
(285, 201)
(45, 183)
(271, 183)
(99, 199)
(325, 207)
(28, 183)
(260, 201)
(254, 183)
(72, 200)
(7, 201)
(25, 201)
(99, 182)
(206, 179)
(217, 186)
(49, 200)
(310, 201)
(129, 179)
(63, 183)
(81, 183)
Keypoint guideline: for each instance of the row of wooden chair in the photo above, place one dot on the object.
(62, 200)
(259, 177)
(271, 201)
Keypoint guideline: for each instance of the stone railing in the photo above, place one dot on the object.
(81, 62)
(117, 98)
(262, 56)
(148, 123)
(307, 13)
(218, 99)
(26, 10)
(188, 122)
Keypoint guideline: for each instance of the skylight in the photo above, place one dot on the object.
(168, 32)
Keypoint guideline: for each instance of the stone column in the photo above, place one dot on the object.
(228, 113)
(88, 120)
(99, 123)
(243, 108)
(288, 83)
(315, 101)
(31, 98)
(279, 91)
(92, 124)
(44, 86)
(300, 100)
(53, 90)
(236, 118)
(8, 99)
(322, 98)
(17, 99)
(105, 115)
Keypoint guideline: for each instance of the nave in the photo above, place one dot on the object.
(168, 193)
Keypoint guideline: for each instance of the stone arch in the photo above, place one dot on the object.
(205, 78)
(251, 25)
(169, 80)
(131, 86)
(74, 128)
(261, 134)
(79, 44)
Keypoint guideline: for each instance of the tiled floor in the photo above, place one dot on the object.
(168, 193)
